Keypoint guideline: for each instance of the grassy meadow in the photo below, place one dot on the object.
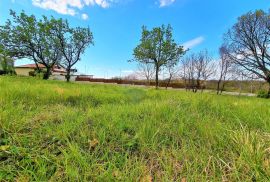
(56, 131)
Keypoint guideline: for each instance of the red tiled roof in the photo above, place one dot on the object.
(61, 70)
(31, 66)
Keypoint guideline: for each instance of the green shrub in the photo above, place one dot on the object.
(32, 73)
(263, 94)
(36, 73)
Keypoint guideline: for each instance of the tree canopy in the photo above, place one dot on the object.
(158, 47)
(72, 43)
(47, 41)
(27, 37)
(248, 43)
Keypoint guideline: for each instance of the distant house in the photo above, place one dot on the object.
(23, 70)
(58, 73)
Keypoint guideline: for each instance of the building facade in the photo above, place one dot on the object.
(58, 73)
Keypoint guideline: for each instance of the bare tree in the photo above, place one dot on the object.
(172, 71)
(183, 72)
(196, 69)
(146, 71)
(248, 42)
(253, 79)
(131, 77)
(224, 68)
(204, 68)
(239, 76)
(188, 71)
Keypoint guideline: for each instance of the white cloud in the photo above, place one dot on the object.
(85, 16)
(101, 3)
(65, 7)
(70, 7)
(194, 42)
(163, 3)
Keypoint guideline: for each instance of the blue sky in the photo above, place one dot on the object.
(116, 25)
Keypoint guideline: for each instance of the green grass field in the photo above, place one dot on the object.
(56, 131)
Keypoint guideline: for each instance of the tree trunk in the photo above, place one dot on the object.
(223, 86)
(203, 86)
(193, 85)
(189, 84)
(157, 71)
(47, 74)
(185, 82)
(68, 75)
(169, 81)
(197, 87)
(37, 67)
(240, 88)
(218, 87)
(148, 81)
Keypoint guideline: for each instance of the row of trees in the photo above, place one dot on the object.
(245, 52)
(47, 41)
(51, 42)
(158, 52)
(194, 70)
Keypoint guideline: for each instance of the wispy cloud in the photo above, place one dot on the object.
(70, 7)
(194, 42)
(85, 16)
(163, 3)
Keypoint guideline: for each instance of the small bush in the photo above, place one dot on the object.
(2, 72)
(36, 73)
(8, 72)
(263, 94)
(32, 73)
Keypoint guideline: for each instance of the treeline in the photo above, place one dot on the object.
(46, 41)
(237, 86)
(244, 55)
